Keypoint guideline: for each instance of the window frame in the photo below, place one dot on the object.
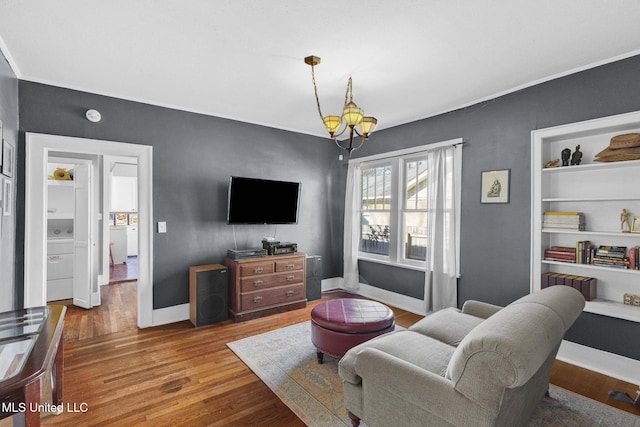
(397, 160)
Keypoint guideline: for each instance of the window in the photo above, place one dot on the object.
(375, 208)
(414, 211)
(393, 208)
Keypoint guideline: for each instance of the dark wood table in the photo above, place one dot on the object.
(31, 344)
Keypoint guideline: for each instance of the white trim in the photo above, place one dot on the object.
(525, 86)
(332, 284)
(12, 63)
(320, 134)
(413, 305)
(172, 314)
(609, 364)
(407, 151)
(37, 148)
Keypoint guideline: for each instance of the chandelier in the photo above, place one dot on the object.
(353, 115)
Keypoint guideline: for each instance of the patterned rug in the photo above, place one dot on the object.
(285, 359)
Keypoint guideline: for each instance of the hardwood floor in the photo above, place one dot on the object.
(180, 375)
(117, 313)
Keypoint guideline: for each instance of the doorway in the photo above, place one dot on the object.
(38, 147)
(121, 186)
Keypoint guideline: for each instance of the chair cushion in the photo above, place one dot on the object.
(412, 347)
(352, 315)
(449, 325)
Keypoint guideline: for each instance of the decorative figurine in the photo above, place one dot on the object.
(552, 163)
(566, 153)
(576, 157)
(624, 220)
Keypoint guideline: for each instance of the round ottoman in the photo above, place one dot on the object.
(340, 324)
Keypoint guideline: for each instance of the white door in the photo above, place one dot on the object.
(82, 280)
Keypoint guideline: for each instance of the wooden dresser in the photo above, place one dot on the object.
(266, 285)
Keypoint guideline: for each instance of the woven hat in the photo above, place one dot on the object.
(621, 147)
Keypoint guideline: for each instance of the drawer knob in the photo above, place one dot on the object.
(258, 283)
(290, 278)
(258, 270)
(257, 299)
(290, 293)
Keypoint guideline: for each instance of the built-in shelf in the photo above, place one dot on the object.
(593, 233)
(605, 308)
(592, 167)
(587, 267)
(600, 191)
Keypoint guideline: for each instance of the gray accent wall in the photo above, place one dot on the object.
(495, 238)
(9, 117)
(193, 157)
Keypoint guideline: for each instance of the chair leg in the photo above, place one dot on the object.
(320, 357)
(355, 421)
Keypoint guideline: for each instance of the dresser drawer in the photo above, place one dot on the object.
(290, 264)
(254, 283)
(252, 269)
(279, 295)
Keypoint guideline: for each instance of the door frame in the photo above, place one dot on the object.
(37, 148)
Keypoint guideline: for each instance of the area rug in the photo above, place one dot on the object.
(285, 359)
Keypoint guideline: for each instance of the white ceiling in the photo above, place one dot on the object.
(243, 59)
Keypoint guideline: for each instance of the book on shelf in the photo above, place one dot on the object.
(612, 249)
(561, 254)
(586, 285)
(634, 254)
(562, 213)
(564, 220)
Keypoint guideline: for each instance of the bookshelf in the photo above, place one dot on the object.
(600, 191)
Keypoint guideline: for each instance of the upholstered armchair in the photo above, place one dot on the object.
(481, 366)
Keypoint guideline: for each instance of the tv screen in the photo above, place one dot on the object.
(262, 201)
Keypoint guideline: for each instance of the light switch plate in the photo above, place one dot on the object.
(162, 226)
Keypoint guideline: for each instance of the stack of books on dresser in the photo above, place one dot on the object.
(564, 221)
(586, 285)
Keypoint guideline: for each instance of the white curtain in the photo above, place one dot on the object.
(352, 228)
(440, 288)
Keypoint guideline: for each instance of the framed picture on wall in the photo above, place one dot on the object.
(495, 186)
(6, 197)
(7, 158)
(122, 218)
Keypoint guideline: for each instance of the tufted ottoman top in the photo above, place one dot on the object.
(352, 315)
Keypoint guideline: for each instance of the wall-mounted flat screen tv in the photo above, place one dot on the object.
(262, 201)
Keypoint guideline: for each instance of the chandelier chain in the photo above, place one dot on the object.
(348, 96)
(315, 90)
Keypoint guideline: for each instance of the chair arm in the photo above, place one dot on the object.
(480, 309)
(410, 383)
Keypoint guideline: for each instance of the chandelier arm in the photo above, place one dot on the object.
(315, 91)
(346, 126)
(361, 143)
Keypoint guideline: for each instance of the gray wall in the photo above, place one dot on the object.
(9, 117)
(195, 154)
(193, 157)
(495, 237)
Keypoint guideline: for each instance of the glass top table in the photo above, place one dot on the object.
(18, 333)
(31, 344)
